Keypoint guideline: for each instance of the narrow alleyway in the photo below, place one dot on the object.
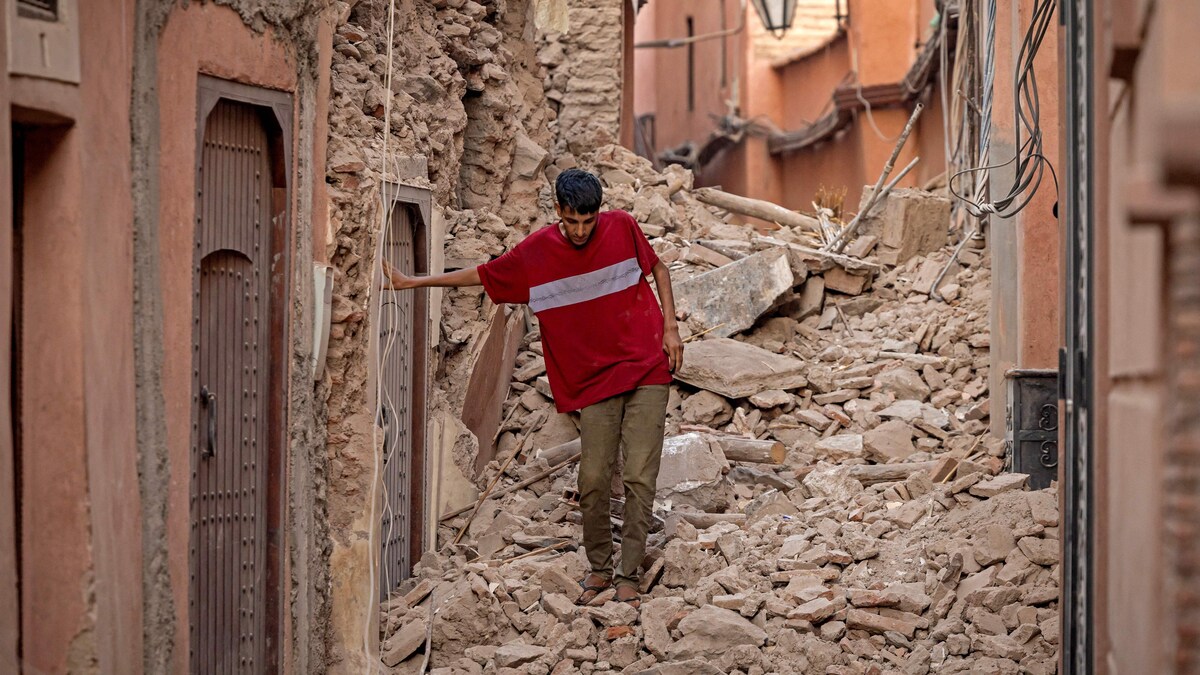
(830, 499)
(936, 419)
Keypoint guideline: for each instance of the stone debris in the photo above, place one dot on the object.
(729, 299)
(885, 539)
(738, 369)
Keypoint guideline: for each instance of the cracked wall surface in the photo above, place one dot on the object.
(466, 116)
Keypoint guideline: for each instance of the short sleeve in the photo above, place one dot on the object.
(646, 256)
(504, 279)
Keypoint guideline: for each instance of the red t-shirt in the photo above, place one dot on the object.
(602, 328)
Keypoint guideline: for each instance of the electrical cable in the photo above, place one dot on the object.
(674, 43)
(385, 228)
(858, 87)
(1029, 158)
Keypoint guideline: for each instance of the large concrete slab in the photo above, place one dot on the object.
(730, 299)
(738, 370)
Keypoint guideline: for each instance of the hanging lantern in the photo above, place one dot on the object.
(776, 15)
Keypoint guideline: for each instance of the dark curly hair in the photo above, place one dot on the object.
(578, 190)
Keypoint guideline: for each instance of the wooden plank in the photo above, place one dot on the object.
(491, 376)
(757, 208)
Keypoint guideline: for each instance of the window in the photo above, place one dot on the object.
(44, 10)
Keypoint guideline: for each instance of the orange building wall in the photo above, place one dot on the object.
(676, 123)
(878, 32)
(108, 326)
(883, 35)
(81, 594)
(790, 96)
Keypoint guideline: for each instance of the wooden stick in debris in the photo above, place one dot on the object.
(757, 208)
(519, 486)
(850, 230)
(703, 332)
(870, 474)
(507, 418)
(529, 554)
(499, 474)
(561, 452)
(828, 229)
(887, 189)
(845, 323)
(738, 449)
(846, 261)
(429, 635)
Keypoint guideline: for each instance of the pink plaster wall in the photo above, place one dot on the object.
(107, 326)
(56, 559)
(10, 619)
(791, 96)
(645, 82)
(79, 450)
(675, 123)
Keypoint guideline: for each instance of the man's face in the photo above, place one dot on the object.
(576, 226)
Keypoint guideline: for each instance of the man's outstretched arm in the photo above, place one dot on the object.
(672, 344)
(395, 280)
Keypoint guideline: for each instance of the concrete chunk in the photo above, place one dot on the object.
(730, 298)
(812, 298)
(690, 458)
(838, 279)
(913, 222)
(738, 370)
(711, 631)
(839, 448)
(515, 654)
(877, 623)
(404, 643)
(1000, 484)
(889, 441)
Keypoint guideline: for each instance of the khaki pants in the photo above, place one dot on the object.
(632, 421)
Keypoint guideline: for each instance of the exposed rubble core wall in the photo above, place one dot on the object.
(584, 75)
(469, 122)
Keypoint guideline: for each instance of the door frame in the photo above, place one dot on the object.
(394, 196)
(277, 106)
(1076, 360)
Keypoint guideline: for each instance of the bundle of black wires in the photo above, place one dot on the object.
(1030, 162)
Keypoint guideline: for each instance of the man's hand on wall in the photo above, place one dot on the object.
(394, 280)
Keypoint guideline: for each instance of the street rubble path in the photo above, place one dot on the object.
(831, 499)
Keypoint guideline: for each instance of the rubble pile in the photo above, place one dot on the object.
(830, 500)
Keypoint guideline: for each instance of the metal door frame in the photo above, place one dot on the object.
(1076, 359)
(395, 196)
(278, 105)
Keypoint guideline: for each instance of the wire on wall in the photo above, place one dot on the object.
(377, 268)
(1030, 162)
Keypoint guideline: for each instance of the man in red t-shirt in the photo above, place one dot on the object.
(609, 351)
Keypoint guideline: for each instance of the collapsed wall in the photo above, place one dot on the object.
(461, 111)
(583, 84)
(830, 499)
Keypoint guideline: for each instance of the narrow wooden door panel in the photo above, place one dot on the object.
(231, 392)
(396, 332)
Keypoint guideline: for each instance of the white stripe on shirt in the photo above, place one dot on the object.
(584, 287)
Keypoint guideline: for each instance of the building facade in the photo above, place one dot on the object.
(221, 442)
(781, 119)
(157, 236)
